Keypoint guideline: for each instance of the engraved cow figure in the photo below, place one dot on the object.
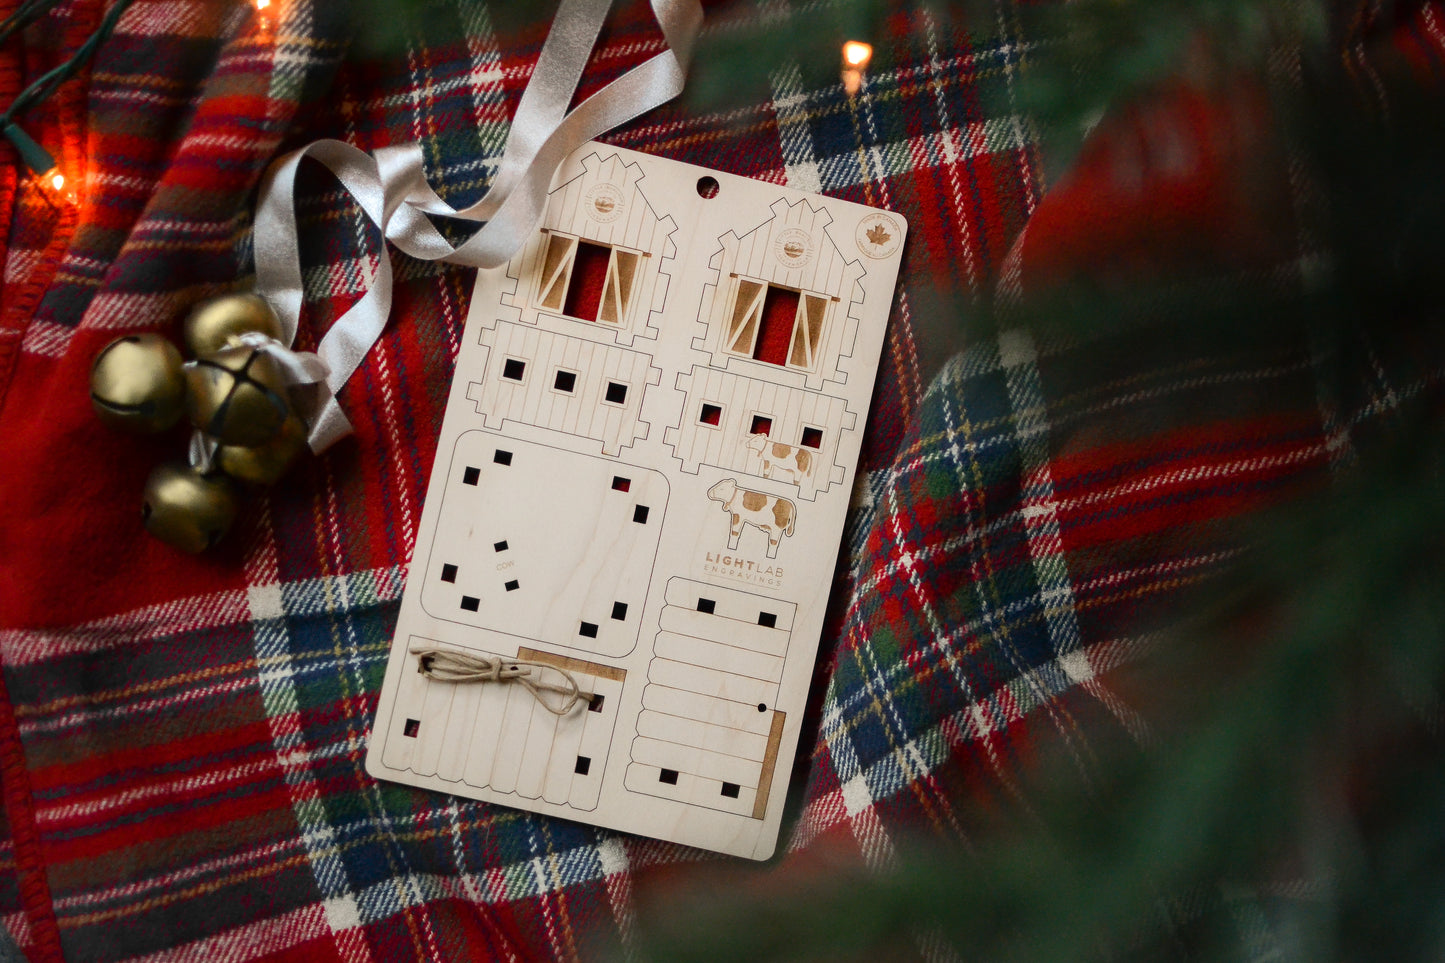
(773, 515)
(778, 458)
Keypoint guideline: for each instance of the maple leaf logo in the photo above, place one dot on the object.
(877, 235)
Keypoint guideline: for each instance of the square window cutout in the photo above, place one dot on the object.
(639, 514)
(668, 776)
(595, 705)
(588, 630)
(619, 611)
(513, 585)
(616, 392)
(502, 457)
(706, 606)
(761, 425)
(413, 726)
(731, 789)
(471, 603)
(512, 369)
(767, 620)
(620, 484)
(471, 476)
(500, 546)
(565, 381)
(710, 415)
(812, 438)
(584, 765)
(449, 573)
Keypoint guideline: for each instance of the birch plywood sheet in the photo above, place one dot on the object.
(639, 491)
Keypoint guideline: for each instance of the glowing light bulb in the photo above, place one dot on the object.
(57, 180)
(856, 54)
(262, 4)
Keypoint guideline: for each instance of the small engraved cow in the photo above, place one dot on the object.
(778, 457)
(773, 515)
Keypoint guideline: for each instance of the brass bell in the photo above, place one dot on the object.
(137, 384)
(188, 510)
(212, 324)
(237, 396)
(263, 464)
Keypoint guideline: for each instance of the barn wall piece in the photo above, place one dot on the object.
(598, 396)
(794, 416)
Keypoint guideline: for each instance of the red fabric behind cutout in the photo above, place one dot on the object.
(779, 310)
(589, 272)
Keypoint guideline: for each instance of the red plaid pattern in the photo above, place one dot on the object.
(181, 739)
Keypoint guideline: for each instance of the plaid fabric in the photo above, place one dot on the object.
(181, 739)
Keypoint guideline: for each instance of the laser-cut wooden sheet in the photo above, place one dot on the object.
(641, 482)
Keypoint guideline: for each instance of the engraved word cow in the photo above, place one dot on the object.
(778, 458)
(773, 515)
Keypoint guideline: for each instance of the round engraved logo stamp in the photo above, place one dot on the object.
(878, 236)
(793, 247)
(603, 203)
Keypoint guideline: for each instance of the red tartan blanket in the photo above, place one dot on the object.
(181, 738)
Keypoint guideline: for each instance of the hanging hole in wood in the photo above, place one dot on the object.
(707, 186)
(471, 603)
(668, 776)
(471, 476)
(449, 573)
(412, 727)
(620, 484)
(762, 707)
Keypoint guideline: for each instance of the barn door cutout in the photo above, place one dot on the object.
(587, 280)
(776, 325)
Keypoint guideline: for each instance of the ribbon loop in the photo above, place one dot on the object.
(391, 188)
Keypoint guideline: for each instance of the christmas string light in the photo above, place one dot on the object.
(37, 158)
(856, 56)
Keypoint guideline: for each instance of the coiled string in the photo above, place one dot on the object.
(449, 665)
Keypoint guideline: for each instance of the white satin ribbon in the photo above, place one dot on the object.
(391, 188)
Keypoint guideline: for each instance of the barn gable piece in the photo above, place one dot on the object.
(793, 260)
(600, 257)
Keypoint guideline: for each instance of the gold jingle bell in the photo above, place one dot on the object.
(188, 510)
(137, 384)
(263, 464)
(237, 396)
(213, 324)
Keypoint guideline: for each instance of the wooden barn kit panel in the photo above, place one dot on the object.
(586, 519)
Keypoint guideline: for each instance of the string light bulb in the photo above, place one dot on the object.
(35, 157)
(856, 56)
(262, 4)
